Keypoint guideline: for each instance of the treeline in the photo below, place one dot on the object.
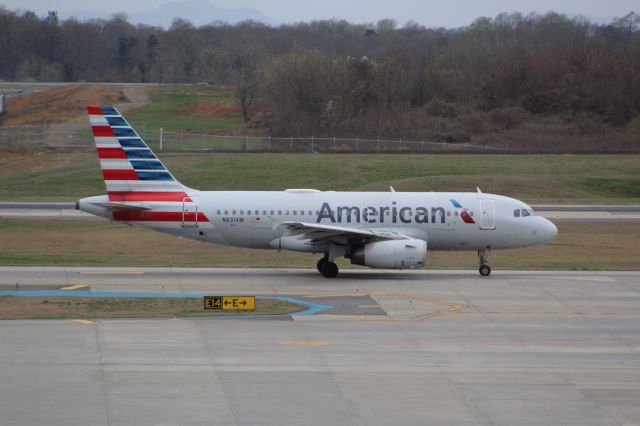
(333, 77)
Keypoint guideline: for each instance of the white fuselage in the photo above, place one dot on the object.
(253, 218)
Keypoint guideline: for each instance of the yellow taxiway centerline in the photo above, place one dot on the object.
(74, 287)
(84, 322)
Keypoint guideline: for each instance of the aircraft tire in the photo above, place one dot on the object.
(330, 270)
(485, 270)
(321, 263)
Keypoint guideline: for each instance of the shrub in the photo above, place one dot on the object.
(441, 108)
(507, 118)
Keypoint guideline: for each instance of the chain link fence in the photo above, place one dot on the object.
(21, 137)
(173, 141)
(79, 135)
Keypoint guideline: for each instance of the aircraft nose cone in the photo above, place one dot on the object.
(550, 230)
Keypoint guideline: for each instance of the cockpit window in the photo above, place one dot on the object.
(523, 213)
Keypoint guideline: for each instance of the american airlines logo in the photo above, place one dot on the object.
(466, 217)
(382, 214)
(388, 214)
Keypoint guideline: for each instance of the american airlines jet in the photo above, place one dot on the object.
(389, 230)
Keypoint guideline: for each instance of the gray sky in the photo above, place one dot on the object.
(450, 13)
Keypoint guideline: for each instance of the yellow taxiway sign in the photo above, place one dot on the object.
(245, 303)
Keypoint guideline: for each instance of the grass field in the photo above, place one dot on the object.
(579, 246)
(190, 108)
(184, 108)
(12, 307)
(534, 178)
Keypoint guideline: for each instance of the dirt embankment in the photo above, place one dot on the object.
(58, 105)
(210, 110)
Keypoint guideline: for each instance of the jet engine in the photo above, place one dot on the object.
(391, 254)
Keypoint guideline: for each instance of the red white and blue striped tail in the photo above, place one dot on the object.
(131, 170)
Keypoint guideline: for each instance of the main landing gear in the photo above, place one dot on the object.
(326, 268)
(484, 270)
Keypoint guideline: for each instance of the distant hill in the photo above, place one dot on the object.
(198, 12)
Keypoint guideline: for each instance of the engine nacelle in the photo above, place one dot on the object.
(391, 254)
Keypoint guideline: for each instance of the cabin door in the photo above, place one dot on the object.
(189, 213)
(488, 215)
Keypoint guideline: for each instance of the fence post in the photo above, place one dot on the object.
(422, 146)
(312, 144)
(160, 137)
(334, 143)
(356, 144)
(269, 144)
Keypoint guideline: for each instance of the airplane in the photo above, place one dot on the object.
(387, 230)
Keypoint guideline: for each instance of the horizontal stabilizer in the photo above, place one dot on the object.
(118, 206)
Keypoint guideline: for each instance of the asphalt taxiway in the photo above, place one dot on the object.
(438, 347)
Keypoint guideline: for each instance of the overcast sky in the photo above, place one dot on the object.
(451, 13)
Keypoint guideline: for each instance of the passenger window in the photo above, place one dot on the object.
(218, 212)
(286, 213)
(233, 212)
(295, 212)
(516, 213)
(226, 212)
(272, 213)
(317, 212)
(310, 213)
(448, 213)
(455, 213)
(264, 212)
(525, 213)
(241, 211)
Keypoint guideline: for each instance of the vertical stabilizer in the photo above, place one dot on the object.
(130, 169)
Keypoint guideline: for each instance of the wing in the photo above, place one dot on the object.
(337, 234)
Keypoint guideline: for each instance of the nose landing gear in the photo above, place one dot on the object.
(484, 270)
